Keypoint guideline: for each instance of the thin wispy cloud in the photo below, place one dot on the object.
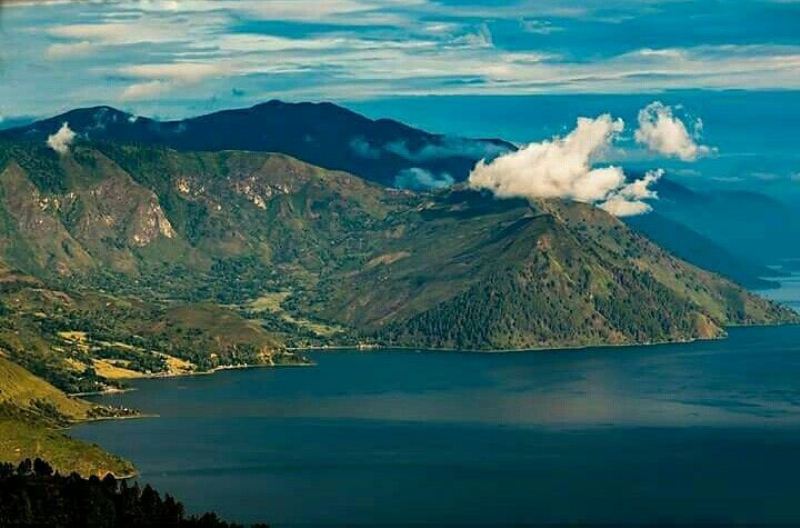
(139, 52)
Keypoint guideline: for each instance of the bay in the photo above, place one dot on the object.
(700, 432)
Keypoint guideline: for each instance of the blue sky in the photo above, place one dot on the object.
(523, 70)
(182, 57)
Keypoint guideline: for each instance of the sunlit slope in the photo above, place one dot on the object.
(30, 412)
(350, 261)
(465, 273)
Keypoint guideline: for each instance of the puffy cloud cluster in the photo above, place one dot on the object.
(61, 140)
(661, 131)
(417, 179)
(629, 200)
(563, 168)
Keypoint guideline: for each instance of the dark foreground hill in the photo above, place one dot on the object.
(31, 494)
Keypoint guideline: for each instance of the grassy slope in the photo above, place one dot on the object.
(20, 388)
(27, 428)
(20, 440)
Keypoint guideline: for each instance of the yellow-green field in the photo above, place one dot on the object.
(27, 433)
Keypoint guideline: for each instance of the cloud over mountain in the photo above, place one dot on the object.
(564, 168)
(418, 179)
(61, 140)
(662, 132)
(629, 200)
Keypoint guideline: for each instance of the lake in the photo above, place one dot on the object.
(708, 431)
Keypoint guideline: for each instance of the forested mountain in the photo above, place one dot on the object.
(121, 260)
(465, 272)
(219, 245)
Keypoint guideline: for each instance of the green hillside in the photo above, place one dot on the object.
(299, 256)
(32, 411)
(24, 391)
(508, 274)
(119, 262)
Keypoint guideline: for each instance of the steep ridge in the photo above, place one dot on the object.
(749, 225)
(322, 134)
(395, 155)
(322, 257)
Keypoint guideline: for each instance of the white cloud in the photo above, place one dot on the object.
(361, 147)
(420, 179)
(166, 77)
(482, 38)
(118, 33)
(61, 140)
(367, 48)
(145, 90)
(619, 206)
(563, 168)
(71, 49)
(560, 168)
(629, 200)
(539, 27)
(445, 148)
(662, 132)
(176, 71)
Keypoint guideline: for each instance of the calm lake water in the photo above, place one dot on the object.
(677, 433)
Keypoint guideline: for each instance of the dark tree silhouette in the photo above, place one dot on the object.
(32, 494)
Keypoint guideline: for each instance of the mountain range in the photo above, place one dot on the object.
(322, 134)
(706, 228)
(157, 249)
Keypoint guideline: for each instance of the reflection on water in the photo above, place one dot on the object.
(684, 433)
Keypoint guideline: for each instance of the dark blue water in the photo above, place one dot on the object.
(678, 433)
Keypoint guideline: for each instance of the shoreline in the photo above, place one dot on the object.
(362, 347)
(555, 348)
(177, 375)
(379, 348)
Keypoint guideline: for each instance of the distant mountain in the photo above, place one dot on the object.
(749, 225)
(267, 246)
(322, 134)
(700, 250)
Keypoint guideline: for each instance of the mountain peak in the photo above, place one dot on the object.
(323, 134)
